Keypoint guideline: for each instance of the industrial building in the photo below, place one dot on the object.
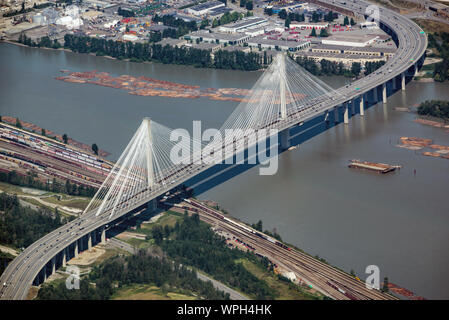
(172, 42)
(360, 40)
(280, 45)
(366, 51)
(346, 59)
(204, 8)
(218, 12)
(216, 37)
(240, 26)
(369, 25)
(212, 47)
(309, 25)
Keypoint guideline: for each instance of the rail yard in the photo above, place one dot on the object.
(23, 152)
(310, 271)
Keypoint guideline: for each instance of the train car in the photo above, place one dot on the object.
(261, 235)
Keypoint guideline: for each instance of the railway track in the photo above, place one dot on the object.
(320, 274)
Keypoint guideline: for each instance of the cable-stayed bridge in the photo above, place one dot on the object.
(284, 93)
(284, 96)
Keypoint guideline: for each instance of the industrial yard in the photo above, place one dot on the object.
(299, 27)
(47, 160)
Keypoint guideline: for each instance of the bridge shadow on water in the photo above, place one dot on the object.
(299, 134)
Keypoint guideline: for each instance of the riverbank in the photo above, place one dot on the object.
(30, 127)
(323, 207)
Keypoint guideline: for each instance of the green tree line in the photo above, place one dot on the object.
(194, 243)
(31, 180)
(327, 67)
(440, 42)
(165, 54)
(141, 268)
(45, 42)
(20, 226)
(434, 108)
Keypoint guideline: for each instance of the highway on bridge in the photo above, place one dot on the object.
(23, 270)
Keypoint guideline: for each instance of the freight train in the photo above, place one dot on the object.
(347, 294)
(219, 216)
(55, 149)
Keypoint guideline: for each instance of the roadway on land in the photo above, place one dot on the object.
(21, 272)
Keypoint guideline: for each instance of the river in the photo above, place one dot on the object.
(351, 218)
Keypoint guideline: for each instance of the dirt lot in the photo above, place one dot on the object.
(87, 257)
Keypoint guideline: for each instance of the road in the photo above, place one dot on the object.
(20, 273)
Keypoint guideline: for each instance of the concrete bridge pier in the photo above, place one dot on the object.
(152, 206)
(403, 81)
(353, 106)
(384, 93)
(285, 139)
(103, 236)
(346, 113)
(326, 117)
(53, 265)
(362, 106)
(416, 69)
(336, 115)
(394, 83)
(64, 257)
(89, 241)
(44, 274)
(376, 98)
(76, 249)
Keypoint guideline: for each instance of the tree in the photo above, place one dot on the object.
(158, 234)
(316, 17)
(323, 33)
(346, 21)
(65, 138)
(18, 124)
(249, 5)
(95, 148)
(352, 22)
(313, 33)
(268, 11)
(282, 14)
(385, 285)
(356, 68)
(287, 23)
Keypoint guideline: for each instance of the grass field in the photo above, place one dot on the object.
(109, 254)
(431, 26)
(68, 201)
(285, 290)
(11, 189)
(150, 292)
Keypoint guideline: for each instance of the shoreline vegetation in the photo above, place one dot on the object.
(151, 52)
(176, 249)
(48, 134)
(434, 109)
